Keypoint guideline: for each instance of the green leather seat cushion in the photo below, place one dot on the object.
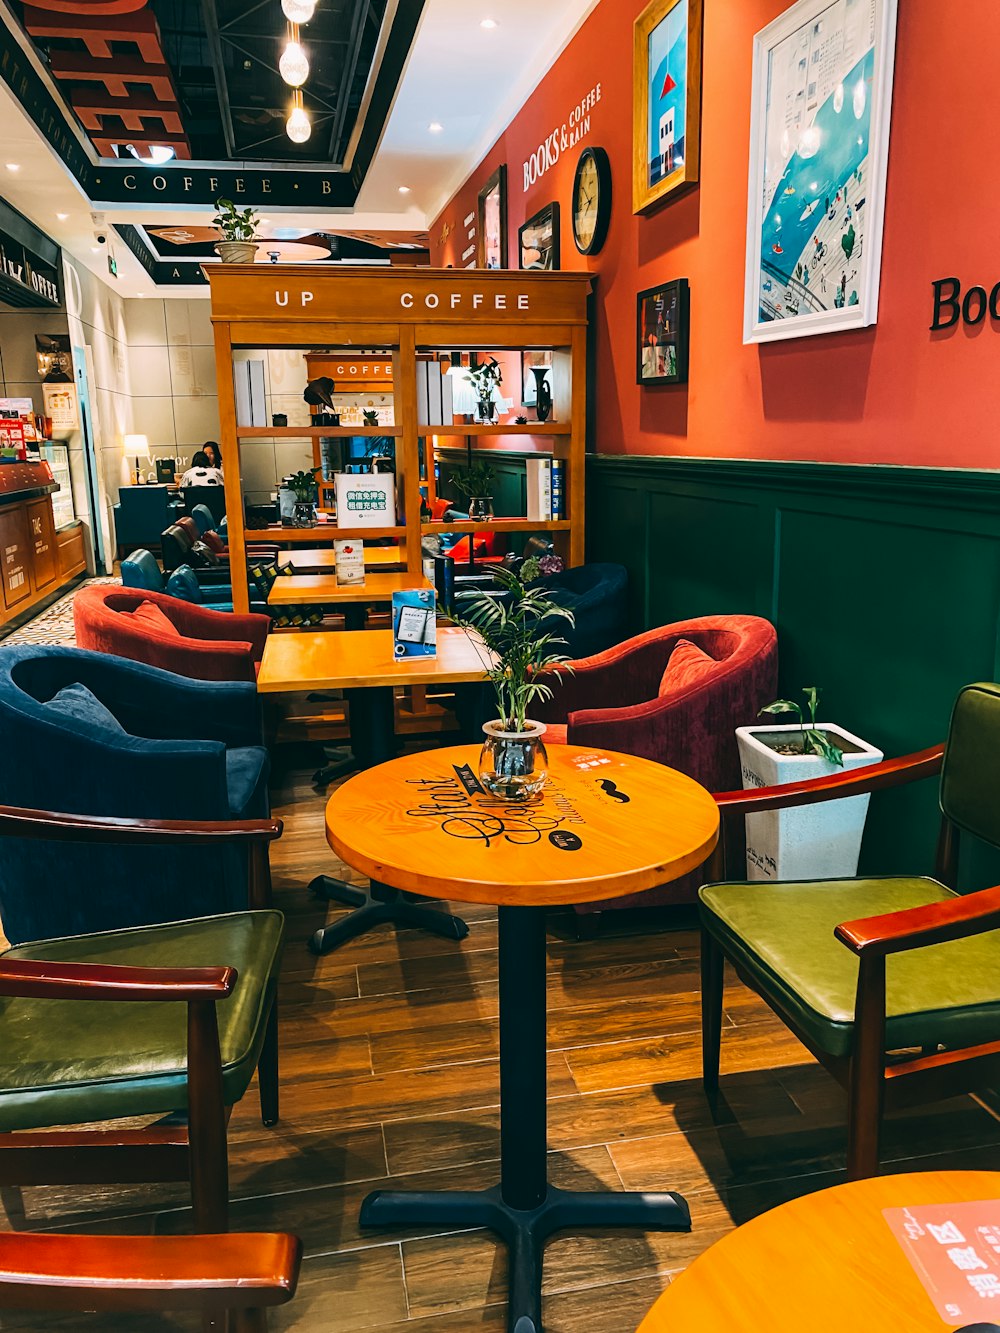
(66, 1062)
(781, 936)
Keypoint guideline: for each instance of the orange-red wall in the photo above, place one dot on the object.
(895, 393)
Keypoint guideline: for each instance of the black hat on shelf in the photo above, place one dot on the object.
(319, 393)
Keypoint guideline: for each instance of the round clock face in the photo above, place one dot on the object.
(591, 200)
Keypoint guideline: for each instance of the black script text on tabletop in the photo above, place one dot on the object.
(950, 306)
(447, 801)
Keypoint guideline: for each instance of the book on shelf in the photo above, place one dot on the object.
(558, 488)
(539, 488)
(435, 395)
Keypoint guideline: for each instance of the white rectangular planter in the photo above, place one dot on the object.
(811, 842)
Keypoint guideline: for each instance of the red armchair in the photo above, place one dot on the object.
(203, 644)
(613, 701)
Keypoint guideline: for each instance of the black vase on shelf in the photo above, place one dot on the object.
(543, 394)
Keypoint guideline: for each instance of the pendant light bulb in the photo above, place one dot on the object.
(293, 66)
(298, 11)
(298, 126)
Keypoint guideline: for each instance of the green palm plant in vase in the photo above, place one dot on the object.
(476, 483)
(515, 629)
(810, 740)
(305, 488)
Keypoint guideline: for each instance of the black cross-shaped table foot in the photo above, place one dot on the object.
(525, 1231)
(374, 906)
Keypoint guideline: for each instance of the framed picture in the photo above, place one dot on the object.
(663, 318)
(538, 239)
(819, 144)
(529, 382)
(492, 234)
(666, 101)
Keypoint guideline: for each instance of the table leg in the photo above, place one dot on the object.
(380, 904)
(524, 1210)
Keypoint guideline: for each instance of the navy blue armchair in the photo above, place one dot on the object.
(597, 596)
(138, 743)
(140, 570)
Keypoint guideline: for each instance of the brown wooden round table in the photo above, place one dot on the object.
(830, 1261)
(605, 825)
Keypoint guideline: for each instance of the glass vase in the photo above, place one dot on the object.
(304, 514)
(513, 764)
(480, 507)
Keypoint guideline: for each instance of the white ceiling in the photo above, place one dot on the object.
(469, 79)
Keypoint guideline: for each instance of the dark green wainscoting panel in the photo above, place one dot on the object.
(884, 585)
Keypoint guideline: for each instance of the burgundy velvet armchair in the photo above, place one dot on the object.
(618, 700)
(197, 643)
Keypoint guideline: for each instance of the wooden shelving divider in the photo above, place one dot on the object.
(403, 312)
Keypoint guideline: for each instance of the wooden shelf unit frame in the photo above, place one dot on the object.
(402, 310)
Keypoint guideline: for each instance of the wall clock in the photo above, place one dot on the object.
(591, 200)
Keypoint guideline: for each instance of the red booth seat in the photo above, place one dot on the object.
(625, 699)
(197, 643)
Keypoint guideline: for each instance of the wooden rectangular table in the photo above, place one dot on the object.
(361, 662)
(296, 589)
(363, 659)
(323, 560)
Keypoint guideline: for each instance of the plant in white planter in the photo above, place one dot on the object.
(810, 842)
(239, 228)
(517, 627)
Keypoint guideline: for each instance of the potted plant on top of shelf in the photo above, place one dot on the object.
(239, 229)
(475, 482)
(485, 379)
(516, 627)
(305, 487)
(809, 842)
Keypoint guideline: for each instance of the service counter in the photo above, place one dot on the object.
(36, 559)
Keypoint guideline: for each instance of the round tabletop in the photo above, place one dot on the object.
(851, 1257)
(605, 825)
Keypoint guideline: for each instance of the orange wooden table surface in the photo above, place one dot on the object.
(323, 560)
(300, 589)
(363, 658)
(605, 825)
(826, 1263)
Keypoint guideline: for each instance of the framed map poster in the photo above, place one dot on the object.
(666, 101)
(819, 146)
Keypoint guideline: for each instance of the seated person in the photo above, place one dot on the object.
(201, 472)
(214, 454)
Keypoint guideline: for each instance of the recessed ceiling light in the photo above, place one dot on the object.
(13, 166)
(63, 217)
(404, 189)
(489, 23)
(435, 127)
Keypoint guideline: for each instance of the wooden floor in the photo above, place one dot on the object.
(389, 1053)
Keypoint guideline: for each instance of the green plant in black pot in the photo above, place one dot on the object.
(517, 629)
(476, 483)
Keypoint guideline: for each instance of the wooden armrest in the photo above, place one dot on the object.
(17, 823)
(38, 980)
(916, 927)
(856, 782)
(39, 1271)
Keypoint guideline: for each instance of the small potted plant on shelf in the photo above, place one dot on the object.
(485, 379)
(305, 488)
(239, 229)
(475, 482)
(809, 842)
(517, 630)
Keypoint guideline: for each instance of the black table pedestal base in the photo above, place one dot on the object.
(525, 1232)
(379, 904)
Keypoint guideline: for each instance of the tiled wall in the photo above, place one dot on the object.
(172, 375)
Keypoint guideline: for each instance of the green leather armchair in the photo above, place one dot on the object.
(65, 1060)
(865, 970)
